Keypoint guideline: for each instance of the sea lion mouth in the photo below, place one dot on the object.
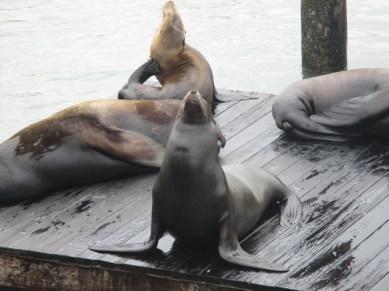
(169, 40)
(194, 109)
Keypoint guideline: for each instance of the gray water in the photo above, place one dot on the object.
(60, 52)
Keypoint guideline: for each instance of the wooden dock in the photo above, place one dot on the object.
(343, 243)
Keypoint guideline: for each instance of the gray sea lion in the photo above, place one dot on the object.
(197, 200)
(90, 142)
(177, 66)
(336, 107)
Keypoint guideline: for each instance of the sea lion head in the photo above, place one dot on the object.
(194, 109)
(169, 40)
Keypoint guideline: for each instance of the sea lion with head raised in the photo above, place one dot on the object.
(336, 107)
(86, 143)
(177, 66)
(199, 201)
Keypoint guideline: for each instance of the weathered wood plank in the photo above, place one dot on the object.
(383, 284)
(55, 274)
(313, 264)
(346, 274)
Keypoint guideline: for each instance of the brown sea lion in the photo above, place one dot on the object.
(177, 66)
(336, 107)
(199, 201)
(90, 142)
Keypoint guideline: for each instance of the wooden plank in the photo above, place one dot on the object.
(383, 284)
(245, 122)
(101, 208)
(32, 215)
(58, 274)
(351, 273)
(318, 260)
(369, 274)
(239, 108)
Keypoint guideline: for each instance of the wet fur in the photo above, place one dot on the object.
(336, 107)
(87, 143)
(181, 68)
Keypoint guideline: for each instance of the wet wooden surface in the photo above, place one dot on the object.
(342, 244)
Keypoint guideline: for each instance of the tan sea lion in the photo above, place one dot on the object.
(199, 201)
(86, 143)
(336, 107)
(177, 66)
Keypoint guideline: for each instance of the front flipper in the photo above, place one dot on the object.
(231, 251)
(355, 111)
(133, 88)
(125, 145)
(155, 234)
(291, 210)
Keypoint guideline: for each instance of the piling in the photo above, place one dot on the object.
(323, 36)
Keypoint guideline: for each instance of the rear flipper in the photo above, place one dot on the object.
(231, 251)
(155, 234)
(124, 248)
(303, 126)
(291, 210)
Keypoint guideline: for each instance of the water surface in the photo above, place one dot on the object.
(57, 53)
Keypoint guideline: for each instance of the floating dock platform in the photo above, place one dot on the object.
(342, 244)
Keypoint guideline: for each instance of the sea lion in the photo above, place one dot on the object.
(199, 201)
(90, 142)
(336, 107)
(177, 66)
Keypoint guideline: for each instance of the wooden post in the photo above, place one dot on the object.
(324, 36)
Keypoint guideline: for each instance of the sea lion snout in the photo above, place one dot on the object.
(169, 7)
(194, 108)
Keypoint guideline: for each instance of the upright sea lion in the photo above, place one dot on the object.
(90, 142)
(198, 200)
(336, 107)
(177, 66)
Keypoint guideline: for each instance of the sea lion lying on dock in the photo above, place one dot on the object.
(91, 142)
(336, 107)
(199, 201)
(177, 66)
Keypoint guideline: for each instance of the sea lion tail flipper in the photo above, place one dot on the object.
(234, 95)
(231, 251)
(123, 248)
(354, 111)
(291, 210)
(155, 234)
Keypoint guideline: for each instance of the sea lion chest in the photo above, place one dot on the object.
(190, 205)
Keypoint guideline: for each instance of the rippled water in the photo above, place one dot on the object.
(60, 52)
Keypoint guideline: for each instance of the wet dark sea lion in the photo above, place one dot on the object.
(177, 66)
(201, 202)
(336, 107)
(90, 142)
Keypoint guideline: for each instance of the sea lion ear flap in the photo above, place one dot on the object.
(221, 139)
